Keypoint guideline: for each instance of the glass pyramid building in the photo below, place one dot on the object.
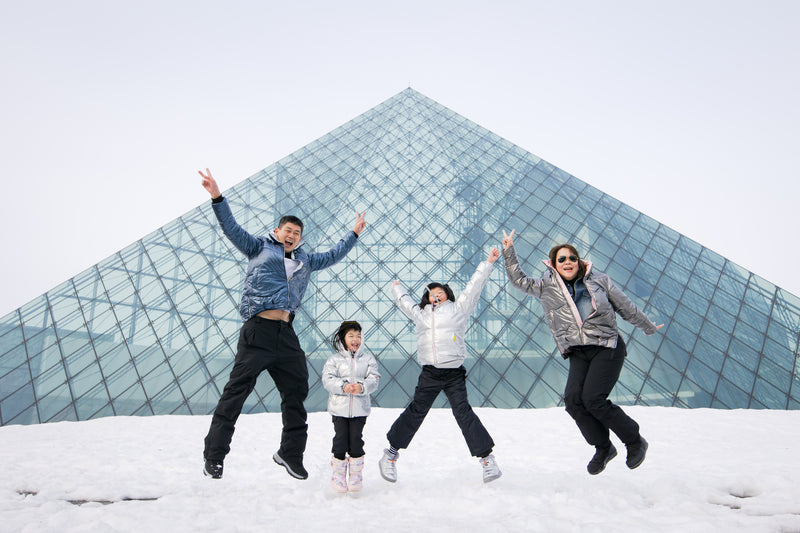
(152, 329)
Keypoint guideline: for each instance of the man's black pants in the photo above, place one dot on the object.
(593, 372)
(431, 382)
(269, 345)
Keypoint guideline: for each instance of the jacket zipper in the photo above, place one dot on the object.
(288, 289)
(433, 336)
(352, 375)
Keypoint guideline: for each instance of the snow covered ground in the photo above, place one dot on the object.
(706, 471)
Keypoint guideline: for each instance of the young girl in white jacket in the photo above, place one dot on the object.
(441, 322)
(350, 376)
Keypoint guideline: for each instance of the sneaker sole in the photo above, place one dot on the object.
(209, 474)
(206, 473)
(490, 479)
(278, 460)
(389, 480)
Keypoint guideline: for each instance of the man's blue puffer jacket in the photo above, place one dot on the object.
(265, 284)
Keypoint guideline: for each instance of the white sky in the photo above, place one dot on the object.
(687, 111)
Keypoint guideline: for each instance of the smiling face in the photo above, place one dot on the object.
(567, 264)
(352, 340)
(289, 234)
(437, 296)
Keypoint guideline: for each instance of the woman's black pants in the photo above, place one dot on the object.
(593, 372)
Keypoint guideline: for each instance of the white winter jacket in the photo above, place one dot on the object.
(441, 328)
(342, 368)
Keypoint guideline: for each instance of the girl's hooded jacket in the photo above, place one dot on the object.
(342, 368)
(441, 328)
(568, 328)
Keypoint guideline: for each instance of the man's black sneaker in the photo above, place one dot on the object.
(213, 469)
(294, 467)
(601, 458)
(636, 453)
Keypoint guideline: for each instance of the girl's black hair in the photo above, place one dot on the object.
(337, 339)
(426, 295)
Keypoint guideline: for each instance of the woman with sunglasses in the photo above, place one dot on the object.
(580, 305)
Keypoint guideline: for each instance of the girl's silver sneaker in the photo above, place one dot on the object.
(490, 469)
(387, 466)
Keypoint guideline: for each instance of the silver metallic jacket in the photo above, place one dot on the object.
(342, 368)
(441, 328)
(599, 328)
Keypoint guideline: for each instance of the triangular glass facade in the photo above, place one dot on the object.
(152, 329)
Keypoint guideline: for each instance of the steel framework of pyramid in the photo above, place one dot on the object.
(152, 329)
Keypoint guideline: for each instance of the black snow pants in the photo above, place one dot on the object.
(269, 345)
(431, 382)
(348, 436)
(593, 372)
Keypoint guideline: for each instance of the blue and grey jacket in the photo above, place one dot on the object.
(265, 284)
(567, 326)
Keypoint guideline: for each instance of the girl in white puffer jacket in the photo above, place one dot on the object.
(350, 376)
(441, 321)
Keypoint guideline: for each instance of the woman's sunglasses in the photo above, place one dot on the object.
(572, 258)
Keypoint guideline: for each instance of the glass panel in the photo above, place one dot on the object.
(697, 303)
(19, 406)
(688, 318)
(730, 396)
(52, 405)
(769, 396)
(779, 354)
(678, 273)
(775, 375)
(737, 374)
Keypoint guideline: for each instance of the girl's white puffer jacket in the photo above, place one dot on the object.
(441, 328)
(342, 368)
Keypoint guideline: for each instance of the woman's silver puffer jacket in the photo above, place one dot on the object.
(342, 368)
(566, 325)
(441, 328)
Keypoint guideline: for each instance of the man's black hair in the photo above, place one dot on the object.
(291, 219)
